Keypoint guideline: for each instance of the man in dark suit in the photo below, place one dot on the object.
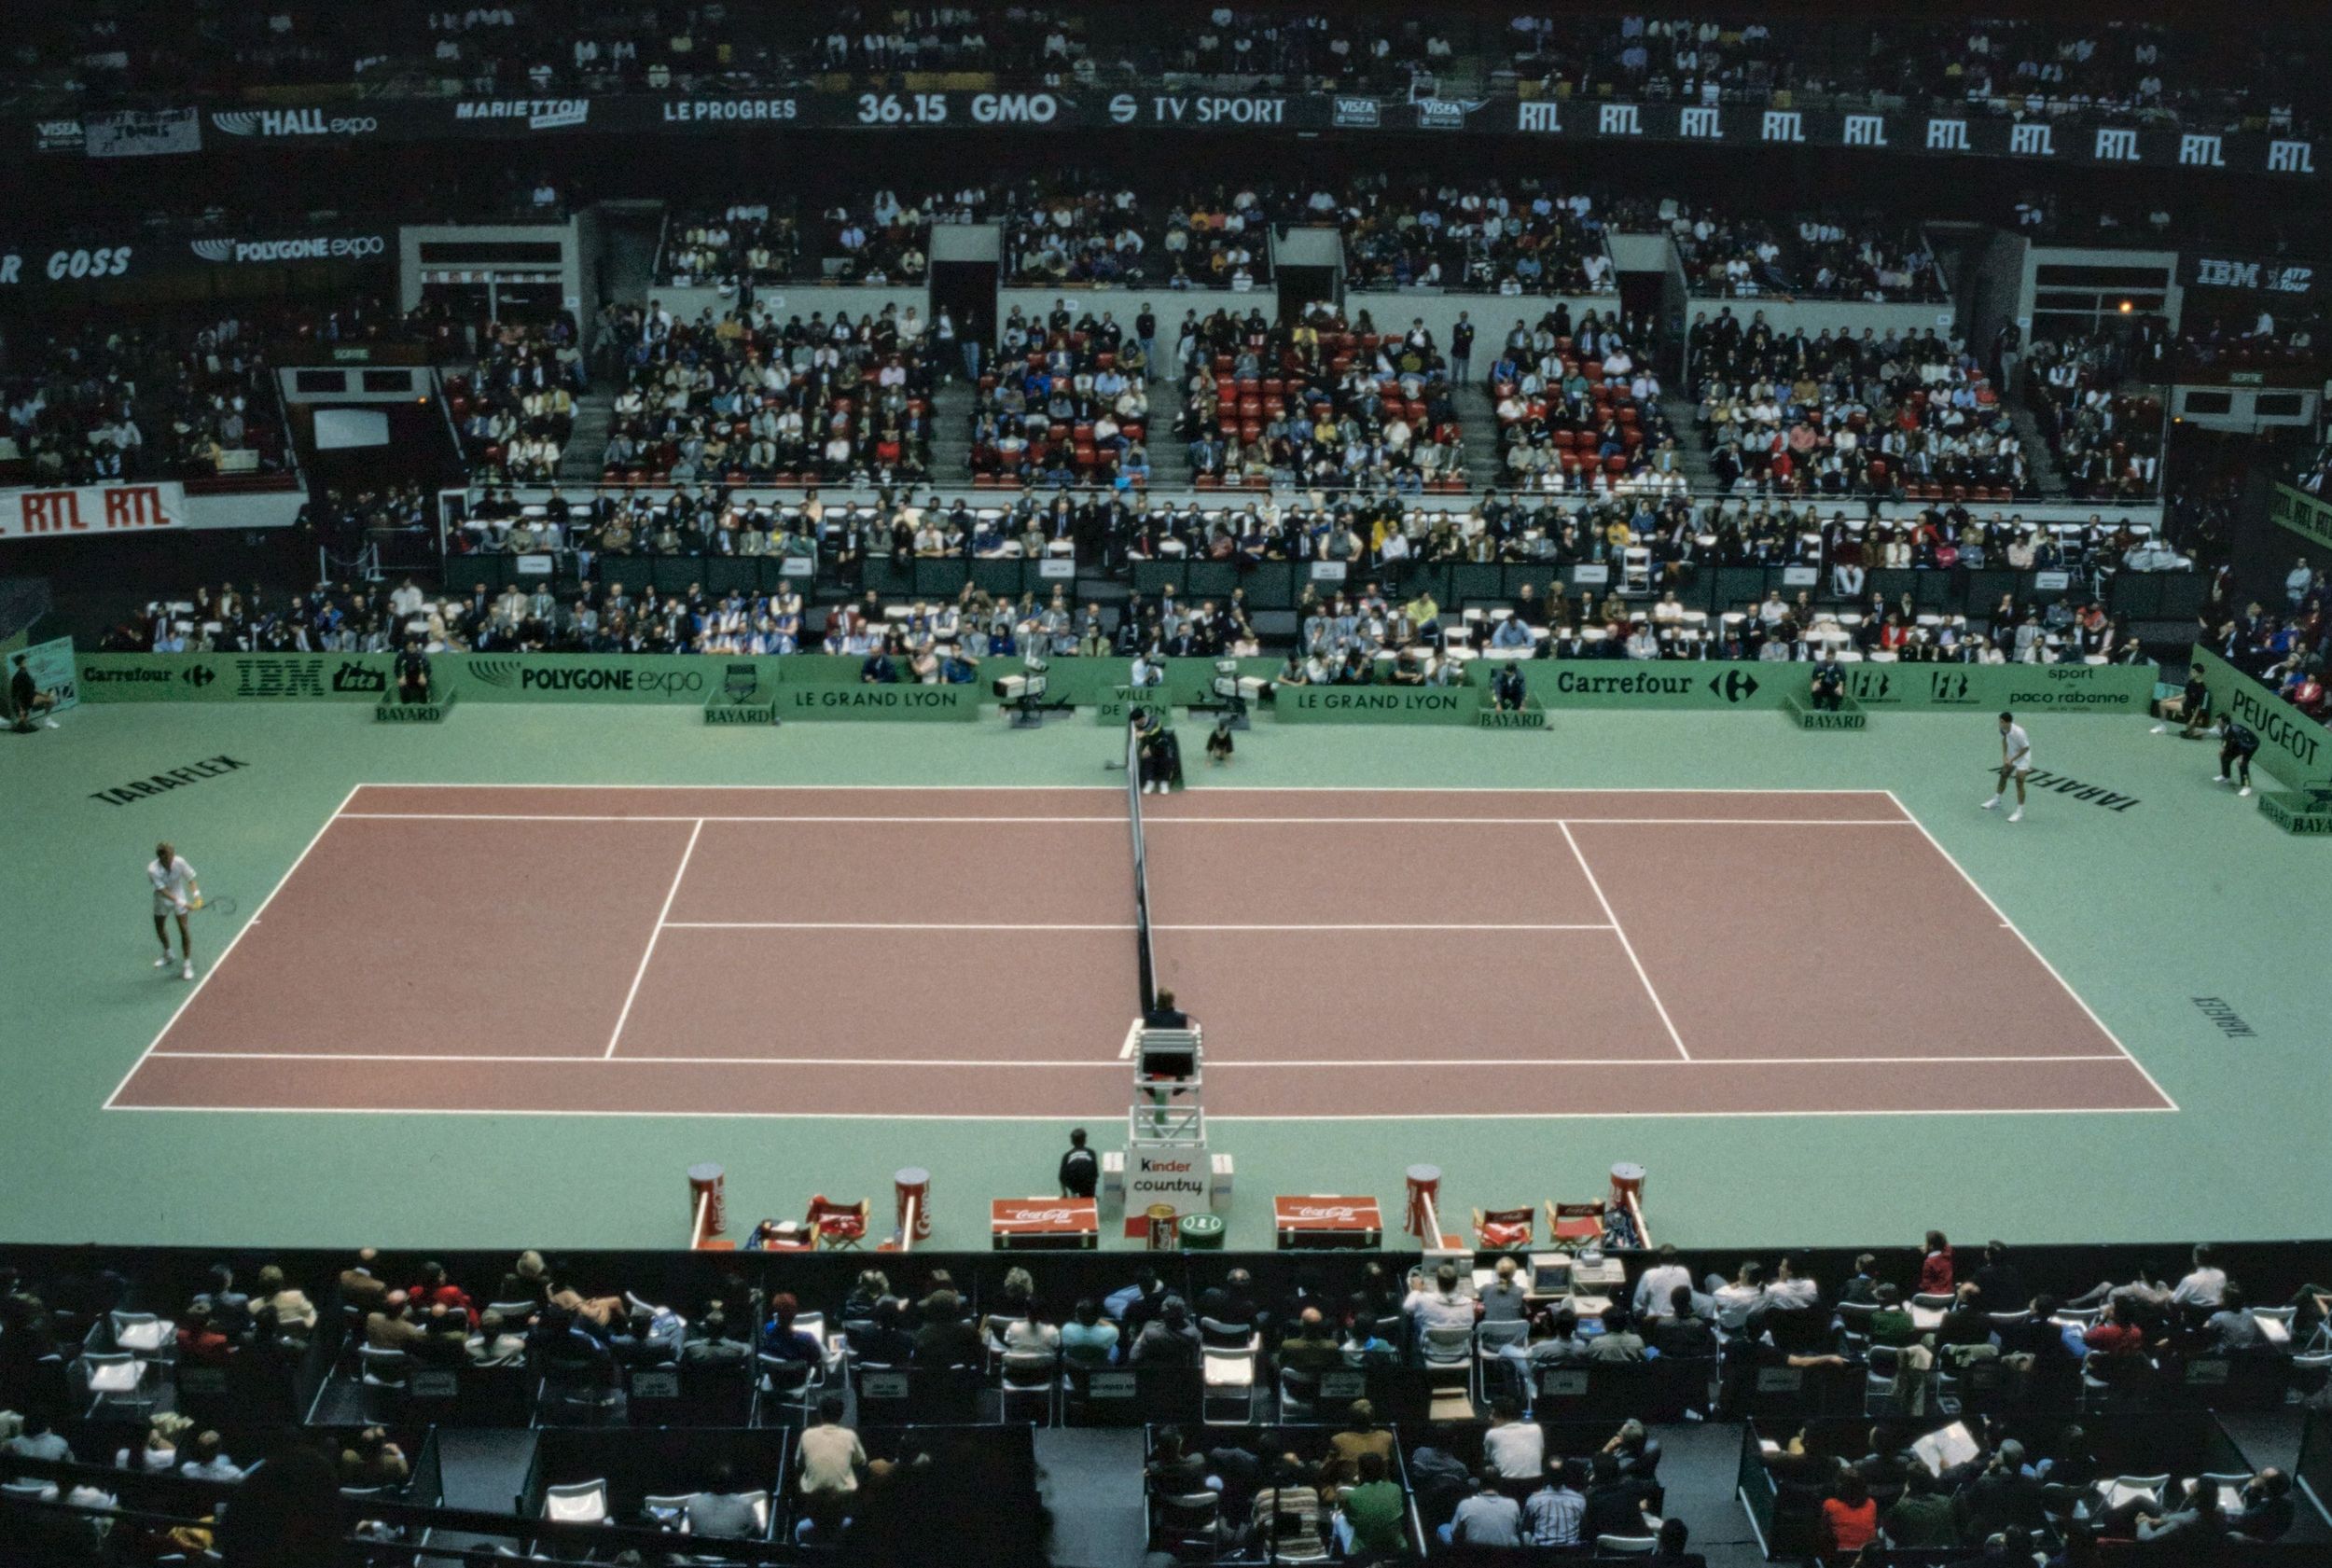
(1163, 1014)
(1999, 1283)
(2001, 1496)
(945, 1339)
(1617, 1505)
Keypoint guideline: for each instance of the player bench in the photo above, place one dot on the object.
(741, 699)
(2299, 811)
(1848, 714)
(1532, 715)
(432, 712)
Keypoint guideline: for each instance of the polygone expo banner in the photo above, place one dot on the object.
(88, 511)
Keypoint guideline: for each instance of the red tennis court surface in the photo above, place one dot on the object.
(971, 953)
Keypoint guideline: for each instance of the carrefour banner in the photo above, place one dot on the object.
(1601, 683)
(2292, 747)
(91, 511)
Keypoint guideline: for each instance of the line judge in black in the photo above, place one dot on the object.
(1080, 1169)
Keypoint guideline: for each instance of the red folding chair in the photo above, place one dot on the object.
(1572, 1225)
(838, 1225)
(1504, 1229)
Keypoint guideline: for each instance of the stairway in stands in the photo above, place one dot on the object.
(951, 434)
(2046, 473)
(581, 460)
(1477, 422)
(1684, 416)
(1169, 458)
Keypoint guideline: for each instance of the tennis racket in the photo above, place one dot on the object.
(221, 903)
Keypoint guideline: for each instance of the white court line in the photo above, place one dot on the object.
(1212, 789)
(640, 973)
(869, 925)
(1455, 1118)
(987, 925)
(1620, 932)
(2168, 1103)
(1148, 822)
(224, 952)
(1418, 1063)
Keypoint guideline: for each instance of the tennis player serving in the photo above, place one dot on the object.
(175, 893)
(2016, 761)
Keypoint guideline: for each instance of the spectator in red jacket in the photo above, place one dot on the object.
(2115, 1336)
(1849, 1519)
(201, 1339)
(1934, 1265)
(436, 1290)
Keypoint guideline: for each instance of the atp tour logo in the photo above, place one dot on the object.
(499, 673)
(1733, 686)
(291, 122)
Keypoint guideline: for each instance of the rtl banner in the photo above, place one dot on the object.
(90, 511)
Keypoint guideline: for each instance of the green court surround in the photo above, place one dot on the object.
(2188, 893)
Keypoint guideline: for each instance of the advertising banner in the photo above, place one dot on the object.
(2303, 513)
(947, 108)
(90, 511)
(52, 667)
(927, 702)
(1377, 705)
(2294, 747)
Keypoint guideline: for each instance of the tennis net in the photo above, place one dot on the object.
(1147, 964)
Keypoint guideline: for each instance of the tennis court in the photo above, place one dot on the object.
(972, 953)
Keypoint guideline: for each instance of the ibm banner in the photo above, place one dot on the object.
(91, 511)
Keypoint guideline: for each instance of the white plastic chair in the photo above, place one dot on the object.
(576, 1503)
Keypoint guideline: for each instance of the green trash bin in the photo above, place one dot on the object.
(1201, 1232)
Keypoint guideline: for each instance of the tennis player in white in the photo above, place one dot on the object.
(2016, 761)
(175, 893)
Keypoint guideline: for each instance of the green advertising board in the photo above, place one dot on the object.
(1848, 714)
(918, 703)
(235, 677)
(1532, 715)
(1088, 682)
(2292, 745)
(1116, 706)
(1613, 683)
(2308, 812)
(2063, 688)
(2303, 513)
(637, 677)
(1376, 704)
(413, 712)
(53, 670)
